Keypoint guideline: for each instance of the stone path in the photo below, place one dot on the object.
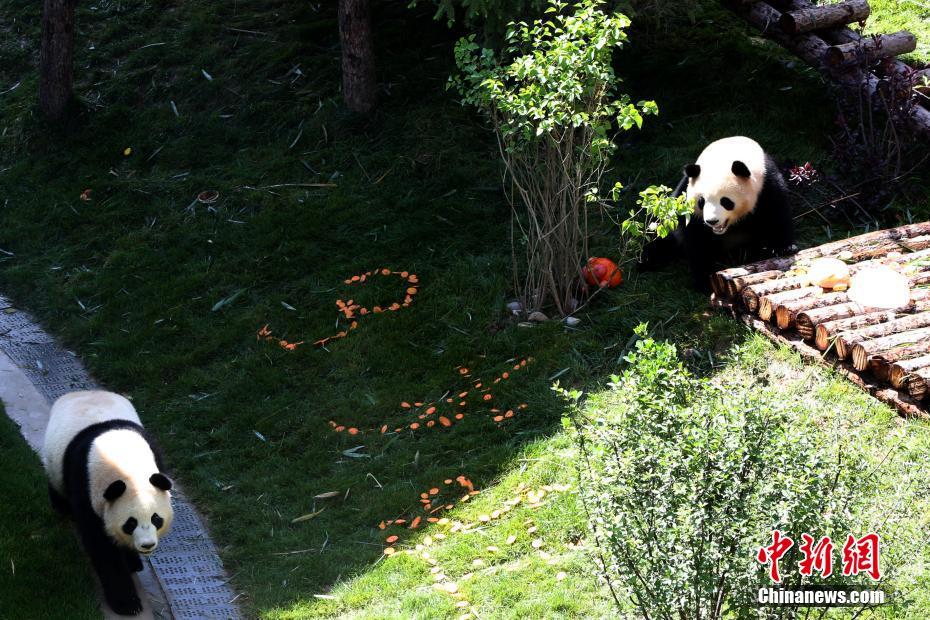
(184, 579)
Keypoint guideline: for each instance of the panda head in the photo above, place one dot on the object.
(725, 182)
(138, 514)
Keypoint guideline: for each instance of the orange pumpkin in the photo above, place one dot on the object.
(602, 272)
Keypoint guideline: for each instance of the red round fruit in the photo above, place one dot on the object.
(602, 272)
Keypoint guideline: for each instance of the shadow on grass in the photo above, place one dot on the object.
(132, 278)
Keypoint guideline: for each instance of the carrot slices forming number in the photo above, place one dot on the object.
(350, 310)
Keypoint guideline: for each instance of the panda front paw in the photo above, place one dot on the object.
(122, 598)
(134, 562)
(124, 603)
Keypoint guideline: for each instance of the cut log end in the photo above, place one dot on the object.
(860, 357)
(873, 48)
(822, 338)
(784, 317)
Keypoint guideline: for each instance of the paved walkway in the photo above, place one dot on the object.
(184, 579)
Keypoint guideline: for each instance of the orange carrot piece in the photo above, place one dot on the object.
(445, 421)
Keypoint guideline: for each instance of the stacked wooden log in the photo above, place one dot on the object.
(892, 345)
(819, 36)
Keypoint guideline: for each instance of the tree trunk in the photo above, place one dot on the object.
(754, 293)
(55, 58)
(786, 311)
(900, 371)
(880, 363)
(824, 16)
(877, 243)
(358, 55)
(917, 383)
(807, 320)
(769, 303)
(881, 46)
(862, 352)
(846, 340)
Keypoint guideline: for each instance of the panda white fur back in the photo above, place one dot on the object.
(104, 471)
(740, 202)
(70, 415)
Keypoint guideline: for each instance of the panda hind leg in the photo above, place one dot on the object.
(58, 501)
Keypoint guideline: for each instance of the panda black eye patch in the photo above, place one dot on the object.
(130, 525)
(700, 202)
(726, 203)
(157, 521)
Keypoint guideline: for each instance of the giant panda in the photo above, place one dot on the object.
(104, 471)
(741, 208)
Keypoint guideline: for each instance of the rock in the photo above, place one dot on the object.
(572, 321)
(537, 317)
(515, 308)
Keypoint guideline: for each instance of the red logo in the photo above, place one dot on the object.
(774, 552)
(860, 555)
(817, 557)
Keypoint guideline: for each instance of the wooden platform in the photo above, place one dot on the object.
(887, 339)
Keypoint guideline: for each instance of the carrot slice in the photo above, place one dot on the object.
(353, 431)
(414, 426)
(445, 421)
(459, 416)
(390, 551)
(415, 523)
(391, 539)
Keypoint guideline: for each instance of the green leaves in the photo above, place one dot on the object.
(657, 216)
(553, 75)
(683, 477)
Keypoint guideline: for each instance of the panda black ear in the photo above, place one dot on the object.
(692, 171)
(115, 490)
(740, 169)
(161, 481)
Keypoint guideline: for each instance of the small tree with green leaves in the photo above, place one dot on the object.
(551, 99)
(683, 479)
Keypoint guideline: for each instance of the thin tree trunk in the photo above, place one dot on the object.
(358, 55)
(55, 57)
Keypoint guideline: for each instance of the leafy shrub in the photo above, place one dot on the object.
(683, 480)
(551, 99)
(656, 217)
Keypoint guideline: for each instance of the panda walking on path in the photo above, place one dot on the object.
(104, 472)
(740, 203)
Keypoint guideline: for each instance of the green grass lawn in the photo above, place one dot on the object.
(37, 547)
(245, 101)
(912, 15)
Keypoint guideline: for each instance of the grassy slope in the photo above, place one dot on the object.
(130, 278)
(36, 546)
(849, 422)
(913, 15)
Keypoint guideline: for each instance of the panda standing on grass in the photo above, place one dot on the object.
(740, 205)
(104, 472)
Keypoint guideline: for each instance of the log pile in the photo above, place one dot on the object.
(885, 349)
(818, 34)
